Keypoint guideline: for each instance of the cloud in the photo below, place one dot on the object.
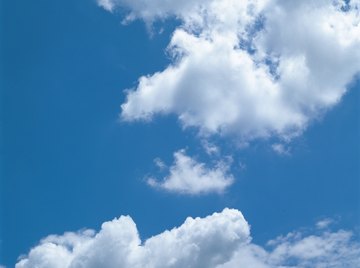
(108, 5)
(280, 149)
(249, 69)
(204, 242)
(187, 176)
(159, 163)
(221, 240)
(210, 148)
(156, 9)
(329, 249)
(324, 223)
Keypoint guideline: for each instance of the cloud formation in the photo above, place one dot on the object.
(249, 69)
(187, 176)
(221, 240)
(281, 149)
(108, 5)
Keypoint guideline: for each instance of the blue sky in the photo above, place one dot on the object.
(69, 162)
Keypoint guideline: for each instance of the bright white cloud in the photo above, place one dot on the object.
(187, 176)
(198, 242)
(252, 69)
(221, 240)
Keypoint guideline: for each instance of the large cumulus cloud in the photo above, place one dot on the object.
(221, 240)
(253, 69)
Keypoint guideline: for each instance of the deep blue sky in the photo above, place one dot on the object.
(68, 163)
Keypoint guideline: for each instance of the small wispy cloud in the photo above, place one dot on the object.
(160, 164)
(210, 148)
(281, 149)
(324, 223)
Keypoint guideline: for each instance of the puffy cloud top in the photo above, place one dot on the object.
(221, 240)
(199, 242)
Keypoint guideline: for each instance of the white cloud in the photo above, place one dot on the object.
(108, 5)
(210, 148)
(155, 9)
(198, 242)
(159, 163)
(187, 176)
(252, 69)
(329, 249)
(242, 165)
(324, 223)
(221, 240)
(280, 149)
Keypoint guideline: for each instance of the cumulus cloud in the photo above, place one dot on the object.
(187, 176)
(221, 240)
(253, 69)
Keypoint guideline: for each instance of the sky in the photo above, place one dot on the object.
(203, 133)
